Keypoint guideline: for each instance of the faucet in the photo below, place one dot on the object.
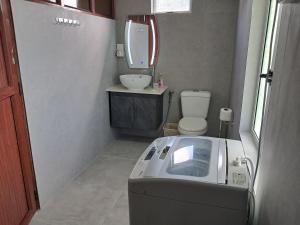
(153, 76)
(151, 71)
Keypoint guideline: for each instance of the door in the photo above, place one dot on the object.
(17, 184)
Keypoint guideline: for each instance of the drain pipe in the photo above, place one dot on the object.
(171, 93)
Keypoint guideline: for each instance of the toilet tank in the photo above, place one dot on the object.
(195, 103)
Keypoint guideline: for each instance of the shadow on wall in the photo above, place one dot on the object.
(97, 114)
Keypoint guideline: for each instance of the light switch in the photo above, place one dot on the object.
(120, 50)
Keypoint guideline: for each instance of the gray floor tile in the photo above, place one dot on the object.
(119, 215)
(37, 222)
(110, 172)
(127, 148)
(80, 204)
(99, 195)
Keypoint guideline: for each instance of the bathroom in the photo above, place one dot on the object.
(67, 58)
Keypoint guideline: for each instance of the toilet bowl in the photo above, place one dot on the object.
(195, 106)
(192, 126)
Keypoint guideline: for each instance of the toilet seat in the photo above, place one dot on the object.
(194, 126)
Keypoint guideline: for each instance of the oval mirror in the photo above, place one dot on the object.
(141, 41)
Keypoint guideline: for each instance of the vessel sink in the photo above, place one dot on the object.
(135, 81)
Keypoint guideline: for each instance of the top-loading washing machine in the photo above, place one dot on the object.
(189, 181)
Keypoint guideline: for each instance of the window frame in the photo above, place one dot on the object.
(153, 7)
(91, 8)
(91, 11)
(261, 70)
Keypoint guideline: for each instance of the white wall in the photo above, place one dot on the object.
(65, 71)
(250, 42)
(241, 51)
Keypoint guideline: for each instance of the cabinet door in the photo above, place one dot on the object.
(147, 112)
(121, 111)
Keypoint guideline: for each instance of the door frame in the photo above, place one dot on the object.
(18, 107)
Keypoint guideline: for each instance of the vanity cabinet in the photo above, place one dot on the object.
(136, 111)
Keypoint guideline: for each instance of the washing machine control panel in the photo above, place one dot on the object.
(239, 178)
(164, 152)
(238, 175)
(151, 161)
(150, 153)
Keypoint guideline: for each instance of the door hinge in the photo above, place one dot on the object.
(20, 88)
(268, 76)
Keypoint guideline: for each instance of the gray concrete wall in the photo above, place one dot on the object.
(196, 50)
(278, 188)
(65, 71)
(240, 62)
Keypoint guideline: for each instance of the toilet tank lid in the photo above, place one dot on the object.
(196, 93)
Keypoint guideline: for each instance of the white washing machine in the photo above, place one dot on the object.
(189, 181)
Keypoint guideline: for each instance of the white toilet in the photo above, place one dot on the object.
(195, 106)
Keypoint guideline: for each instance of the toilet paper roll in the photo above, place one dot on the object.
(226, 114)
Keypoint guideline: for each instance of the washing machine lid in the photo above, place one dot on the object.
(200, 159)
(193, 158)
(193, 124)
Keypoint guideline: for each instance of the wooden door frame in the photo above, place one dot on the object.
(18, 107)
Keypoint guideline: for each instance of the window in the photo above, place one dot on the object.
(50, 1)
(80, 4)
(103, 8)
(166, 6)
(266, 67)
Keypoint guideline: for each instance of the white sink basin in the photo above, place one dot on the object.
(135, 81)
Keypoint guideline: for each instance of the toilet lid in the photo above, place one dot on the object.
(193, 124)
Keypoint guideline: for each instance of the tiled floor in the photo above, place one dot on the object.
(99, 195)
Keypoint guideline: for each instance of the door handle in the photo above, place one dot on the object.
(268, 76)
